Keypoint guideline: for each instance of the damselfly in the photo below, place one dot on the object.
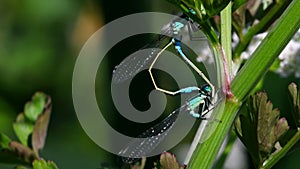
(203, 100)
(138, 148)
(130, 66)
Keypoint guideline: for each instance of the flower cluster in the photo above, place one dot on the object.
(289, 57)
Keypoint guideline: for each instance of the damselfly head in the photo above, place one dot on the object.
(206, 89)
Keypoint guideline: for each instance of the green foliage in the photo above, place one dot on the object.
(260, 127)
(262, 130)
(42, 164)
(28, 123)
(31, 129)
(35, 107)
(204, 9)
(23, 128)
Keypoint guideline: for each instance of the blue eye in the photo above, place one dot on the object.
(208, 89)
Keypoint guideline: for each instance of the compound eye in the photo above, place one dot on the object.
(207, 88)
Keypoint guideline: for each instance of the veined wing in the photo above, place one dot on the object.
(133, 64)
(138, 147)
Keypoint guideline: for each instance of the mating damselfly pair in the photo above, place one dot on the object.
(202, 100)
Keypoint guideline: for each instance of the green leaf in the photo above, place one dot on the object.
(34, 122)
(42, 164)
(267, 118)
(35, 107)
(23, 129)
(25, 126)
(40, 128)
(260, 128)
(4, 141)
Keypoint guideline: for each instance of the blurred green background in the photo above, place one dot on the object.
(39, 44)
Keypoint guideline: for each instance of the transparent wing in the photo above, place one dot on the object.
(133, 64)
(138, 147)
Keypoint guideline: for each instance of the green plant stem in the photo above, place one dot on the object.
(263, 57)
(276, 157)
(246, 80)
(205, 153)
(226, 36)
(207, 156)
(261, 26)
